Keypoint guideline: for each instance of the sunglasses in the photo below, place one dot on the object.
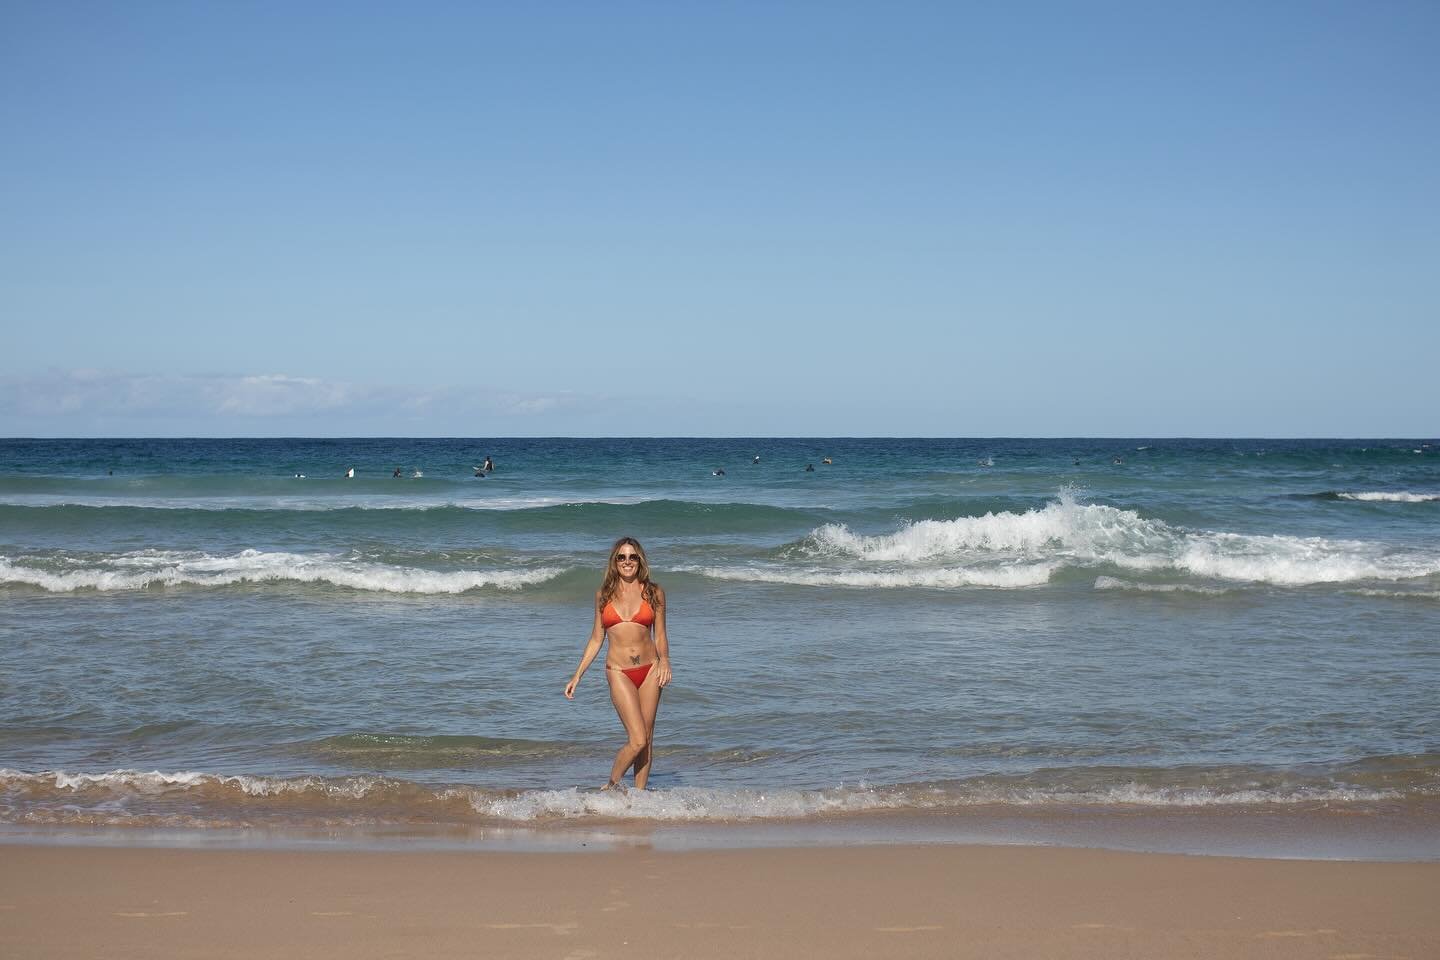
(627, 558)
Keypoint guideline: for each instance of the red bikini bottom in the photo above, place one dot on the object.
(637, 675)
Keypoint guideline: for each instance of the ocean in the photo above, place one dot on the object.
(212, 637)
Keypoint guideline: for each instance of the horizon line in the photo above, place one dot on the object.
(771, 437)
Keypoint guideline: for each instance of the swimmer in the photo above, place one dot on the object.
(809, 468)
(396, 473)
(827, 461)
(756, 460)
(489, 465)
(1118, 461)
(718, 472)
(350, 474)
(638, 663)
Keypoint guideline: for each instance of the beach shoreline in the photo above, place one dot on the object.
(1311, 831)
(892, 900)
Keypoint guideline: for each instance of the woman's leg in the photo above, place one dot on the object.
(649, 706)
(627, 705)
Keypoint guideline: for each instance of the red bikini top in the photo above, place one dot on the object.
(645, 616)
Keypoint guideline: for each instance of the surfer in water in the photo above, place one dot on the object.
(630, 610)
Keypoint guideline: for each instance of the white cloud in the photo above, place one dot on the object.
(83, 396)
(270, 395)
(529, 406)
(91, 392)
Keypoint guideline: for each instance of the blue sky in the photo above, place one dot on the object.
(949, 219)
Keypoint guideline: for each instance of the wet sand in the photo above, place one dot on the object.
(896, 901)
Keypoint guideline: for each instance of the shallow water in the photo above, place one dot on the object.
(202, 639)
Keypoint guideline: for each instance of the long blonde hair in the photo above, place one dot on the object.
(608, 587)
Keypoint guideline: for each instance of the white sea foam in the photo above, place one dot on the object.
(1400, 496)
(1295, 561)
(145, 569)
(696, 804)
(1022, 549)
(1012, 575)
(1137, 794)
(1115, 583)
(1431, 595)
(126, 794)
(116, 779)
(681, 804)
(139, 782)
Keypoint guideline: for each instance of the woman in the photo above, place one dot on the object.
(630, 609)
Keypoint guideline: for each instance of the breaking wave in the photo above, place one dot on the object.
(1025, 549)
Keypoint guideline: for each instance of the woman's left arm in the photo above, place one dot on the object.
(662, 642)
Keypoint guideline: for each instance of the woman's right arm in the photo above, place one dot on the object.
(592, 650)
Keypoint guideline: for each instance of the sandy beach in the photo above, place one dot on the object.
(899, 901)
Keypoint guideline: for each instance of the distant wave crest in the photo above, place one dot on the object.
(1389, 496)
(317, 503)
(156, 568)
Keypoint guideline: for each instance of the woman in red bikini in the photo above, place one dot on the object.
(630, 609)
